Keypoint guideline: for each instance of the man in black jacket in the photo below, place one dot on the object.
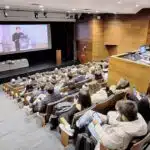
(16, 37)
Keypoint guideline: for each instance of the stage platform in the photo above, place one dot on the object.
(6, 76)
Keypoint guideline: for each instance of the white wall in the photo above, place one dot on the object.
(29, 16)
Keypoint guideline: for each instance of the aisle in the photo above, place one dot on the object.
(17, 132)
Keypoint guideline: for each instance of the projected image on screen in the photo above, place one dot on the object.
(18, 38)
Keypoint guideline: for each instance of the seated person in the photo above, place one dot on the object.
(72, 88)
(40, 105)
(122, 125)
(98, 75)
(28, 88)
(144, 109)
(81, 102)
(80, 77)
(36, 92)
(90, 74)
(101, 95)
(122, 84)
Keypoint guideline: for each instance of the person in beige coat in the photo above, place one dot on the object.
(118, 128)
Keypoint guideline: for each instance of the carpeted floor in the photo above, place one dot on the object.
(19, 132)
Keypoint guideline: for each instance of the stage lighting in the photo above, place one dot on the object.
(45, 14)
(5, 13)
(36, 15)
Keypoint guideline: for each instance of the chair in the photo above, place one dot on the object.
(50, 106)
(110, 103)
(142, 144)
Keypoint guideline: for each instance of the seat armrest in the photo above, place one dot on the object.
(79, 114)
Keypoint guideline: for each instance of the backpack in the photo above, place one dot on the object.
(84, 142)
(62, 107)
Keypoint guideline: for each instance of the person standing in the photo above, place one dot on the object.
(16, 37)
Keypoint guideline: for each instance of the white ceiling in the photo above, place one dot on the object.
(99, 6)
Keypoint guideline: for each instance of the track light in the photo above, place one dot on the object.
(45, 14)
(36, 15)
(5, 13)
(98, 17)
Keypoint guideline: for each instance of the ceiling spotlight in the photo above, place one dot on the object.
(41, 6)
(89, 12)
(137, 5)
(98, 17)
(36, 15)
(5, 13)
(7, 7)
(45, 14)
(97, 11)
(68, 11)
(119, 2)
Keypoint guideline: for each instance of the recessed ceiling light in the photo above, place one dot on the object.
(97, 11)
(68, 11)
(42, 9)
(119, 2)
(137, 5)
(7, 7)
(73, 9)
(41, 6)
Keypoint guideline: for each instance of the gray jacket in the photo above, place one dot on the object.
(117, 135)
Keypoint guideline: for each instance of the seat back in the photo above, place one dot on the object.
(110, 103)
(139, 145)
(51, 105)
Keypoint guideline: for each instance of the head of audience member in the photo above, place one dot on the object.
(82, 72)
(13, 81)
(70, 76)
(53, 81)
(98, 75)
(109, 91)
(85, 87)
(144, 108)
(29, 87)
(122, 84)
(42, 87)
(127, 110)
(84, 99)
(132, 97)
(71, 85)
(50, 89)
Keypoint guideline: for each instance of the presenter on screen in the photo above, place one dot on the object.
(16, 37)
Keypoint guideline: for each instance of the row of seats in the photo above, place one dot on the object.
(88, 86)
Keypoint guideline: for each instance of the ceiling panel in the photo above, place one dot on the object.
(103, 6)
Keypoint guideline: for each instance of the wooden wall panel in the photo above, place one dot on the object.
(113, 35)
(98, 50)
(148, 34)
(112, 31)
(134, 34)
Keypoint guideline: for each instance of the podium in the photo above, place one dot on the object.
(58, 57)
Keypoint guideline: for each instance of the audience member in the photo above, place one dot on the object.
(122, 125)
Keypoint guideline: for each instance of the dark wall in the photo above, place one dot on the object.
(62, 38)
(62, 35)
